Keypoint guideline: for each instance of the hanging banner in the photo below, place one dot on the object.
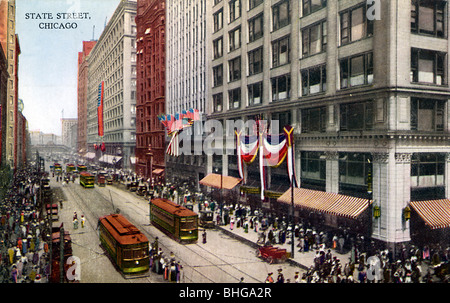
(100, 109)
(273, 150)
(175, 124)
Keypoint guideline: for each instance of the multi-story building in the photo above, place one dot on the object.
(186, 76)
(66, 131)
(112, 61)
(82, 96)
(368, 98)
(10, 44)
(151, 87)
(4, 76)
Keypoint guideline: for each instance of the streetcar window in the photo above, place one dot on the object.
(139, 253)
(127, 254)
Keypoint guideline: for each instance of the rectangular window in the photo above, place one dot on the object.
(281, 88)
(314, 39)
(254, 3)
(354, 168)
(314, 80)
(218, 48)
(355, 25)
(427, 169)
(218, 20)
(235, 9)
(313, 166)
(313, 120)
(217, 102)
(428, 66)
(428, 17)
(234, 98)
(255, 61)
(234, 67)
(255, 93)
(356, 116)
(218, 75)
(281, 51)
(311, 6)
(427, 115)
(281, 14)
(235, 39)
(357, 70)
(255, 28)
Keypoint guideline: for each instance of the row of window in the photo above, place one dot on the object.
(426, 115)
(427, 16)
(427, 169)
(426, 67)
(280, 15)
(281, 87)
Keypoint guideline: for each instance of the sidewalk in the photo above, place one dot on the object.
(304, 260)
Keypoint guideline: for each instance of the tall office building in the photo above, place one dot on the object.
(151, 88)
(368, 100)
(112, 63)
(186, 76)
(82, 96)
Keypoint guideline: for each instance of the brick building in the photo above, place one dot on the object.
(150, 88)
(82, 96)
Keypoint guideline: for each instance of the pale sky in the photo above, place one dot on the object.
(48, 63)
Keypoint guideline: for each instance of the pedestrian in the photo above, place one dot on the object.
(83, 220)
(280, 278)
(232, 223)
(269, 278)
(14, 273)
(204, 236)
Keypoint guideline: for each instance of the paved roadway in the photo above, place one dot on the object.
(221, 260)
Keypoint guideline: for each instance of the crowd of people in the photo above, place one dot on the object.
(165, 265)
(363, 260)
(24, 255)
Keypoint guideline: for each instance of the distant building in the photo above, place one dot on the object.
(66, 134)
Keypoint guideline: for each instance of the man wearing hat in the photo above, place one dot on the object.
(280, 278)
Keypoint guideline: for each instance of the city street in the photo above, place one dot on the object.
(222, 259)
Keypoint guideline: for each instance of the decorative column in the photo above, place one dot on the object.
(380, 196)
(332, 172)
(400, 197)
(447, 176)
(391, 192)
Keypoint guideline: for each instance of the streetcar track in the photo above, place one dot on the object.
(144, 228)
(218, 266)
(150, 236)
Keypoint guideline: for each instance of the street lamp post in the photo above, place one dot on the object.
(292, 218)
(150, 155)
(221, 191)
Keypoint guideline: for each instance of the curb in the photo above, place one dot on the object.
(255, 246)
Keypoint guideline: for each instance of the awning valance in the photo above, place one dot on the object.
(89, 155)
(330, 203)
(109, 159)
(216, 180)
(435, 213)
(158, 171)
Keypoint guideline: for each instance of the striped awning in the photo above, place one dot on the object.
(435, 213)
(330, 203)
(218, 181)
